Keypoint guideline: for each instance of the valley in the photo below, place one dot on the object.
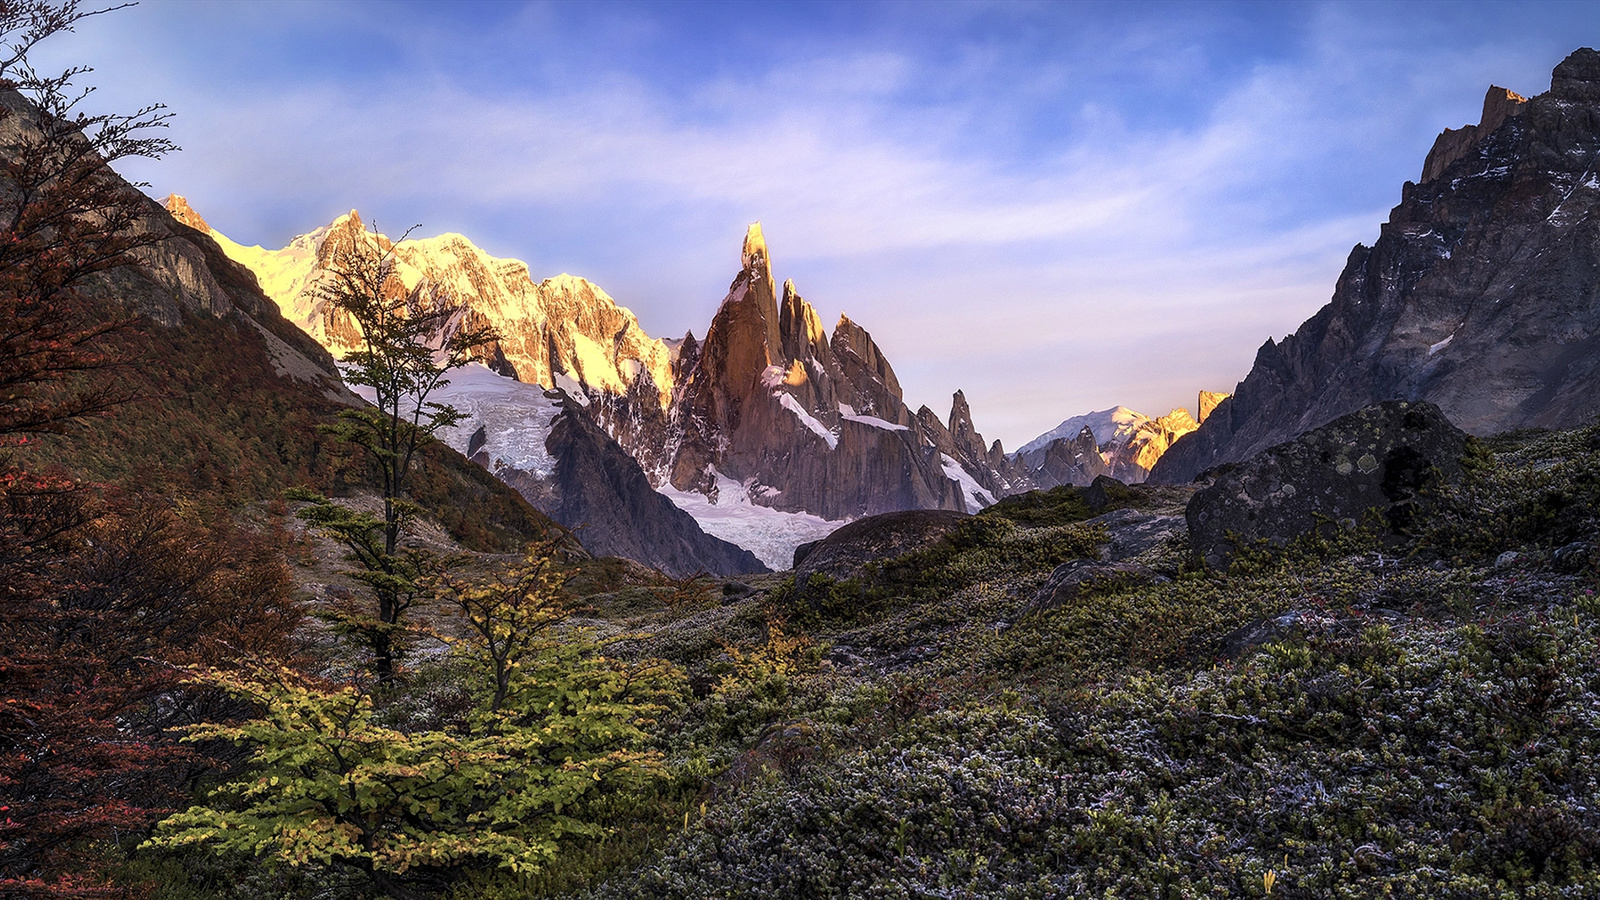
(375, 566)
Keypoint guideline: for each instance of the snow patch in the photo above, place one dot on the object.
(875, 422)
(572, 386)
(972, 493)
(768, 533)
(806, 418)
(1109, 424)
(1441, 345)
(515, 417)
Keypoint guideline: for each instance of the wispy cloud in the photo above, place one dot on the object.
(1054, 211)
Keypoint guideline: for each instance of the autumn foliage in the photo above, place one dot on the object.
(101, 594)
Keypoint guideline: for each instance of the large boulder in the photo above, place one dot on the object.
(847, 552)
(1386, 457)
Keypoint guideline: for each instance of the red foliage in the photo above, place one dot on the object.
(93, 627)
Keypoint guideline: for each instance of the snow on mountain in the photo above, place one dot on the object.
(728, 513)
(515, 418)
(1128, 444)
(1118, 423)
(561, 327)
(972, 493)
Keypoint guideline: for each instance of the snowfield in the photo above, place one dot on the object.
(768, 533)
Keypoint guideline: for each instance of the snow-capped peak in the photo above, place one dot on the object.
(1107, 425)
(564, 325)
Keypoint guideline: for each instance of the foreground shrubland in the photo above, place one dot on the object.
(1344, 717)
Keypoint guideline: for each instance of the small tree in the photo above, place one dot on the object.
(554, 734)
(409, 342)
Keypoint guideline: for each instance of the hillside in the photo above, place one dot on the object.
(229, 396)
(1343, 716)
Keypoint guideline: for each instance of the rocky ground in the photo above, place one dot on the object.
(1062, 696)
(1059, 698)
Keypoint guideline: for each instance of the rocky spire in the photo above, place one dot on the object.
(967, 440)
(1577, 78)
(1499, 104)
(754, 255)
(183, 212)
(876, 389)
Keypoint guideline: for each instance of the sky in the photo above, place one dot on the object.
(1054, 207)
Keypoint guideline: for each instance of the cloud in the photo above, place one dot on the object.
(1054, 212)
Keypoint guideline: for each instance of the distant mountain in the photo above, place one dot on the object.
(1481, 294)
(559, 332)
(562, 330)
(793, 419)
(1118, 442)
(808, 422)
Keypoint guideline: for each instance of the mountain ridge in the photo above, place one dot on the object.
(1480, 294)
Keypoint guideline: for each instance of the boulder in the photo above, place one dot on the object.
(1070, 578)
(1386, 457)
(846, 553)
(1133, 532)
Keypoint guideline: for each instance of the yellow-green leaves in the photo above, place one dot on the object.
(556, 730)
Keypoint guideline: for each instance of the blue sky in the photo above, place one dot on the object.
(1056, 207)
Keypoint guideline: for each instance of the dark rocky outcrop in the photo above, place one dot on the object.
(602, 494)
(1385, 458)
(1481, 294)
(1134, 532)
(1071, 579)
(847, 552)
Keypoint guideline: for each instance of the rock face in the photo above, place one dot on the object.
(1481, 295)
(814, 423)
(1386, 458)
(1454, 143)
(546, 445)
(601, 492)
(560, 332)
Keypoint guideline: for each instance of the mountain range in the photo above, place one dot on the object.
(1479, 295)
(769, 412)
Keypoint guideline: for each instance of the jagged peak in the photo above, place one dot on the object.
(754, 254)
(959, 411)
(1499, 104)
(570, 283)
(179, 207)
(1577, 77)
(1209, 401)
